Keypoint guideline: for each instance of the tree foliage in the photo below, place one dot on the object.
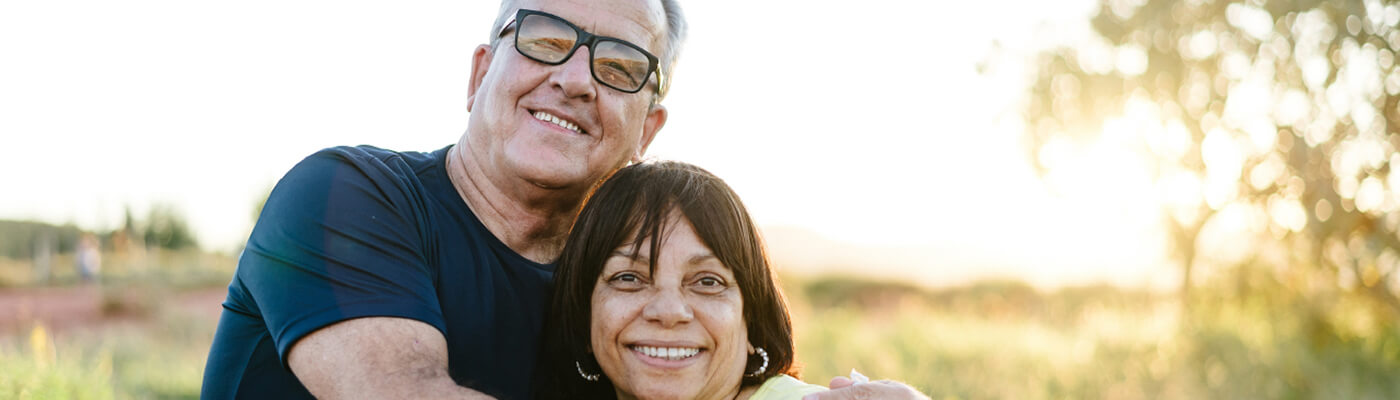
(20, 240)
(165, 227)
(1284, 109)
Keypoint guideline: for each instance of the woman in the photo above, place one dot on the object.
(663, 291)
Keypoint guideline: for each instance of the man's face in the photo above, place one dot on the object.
(554, 125)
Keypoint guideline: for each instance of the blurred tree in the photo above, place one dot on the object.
(1287, 108)
(128, 221)
(126, 237)
(166, 228)
(19, 239)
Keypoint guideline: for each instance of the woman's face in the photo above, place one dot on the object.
(678, 333)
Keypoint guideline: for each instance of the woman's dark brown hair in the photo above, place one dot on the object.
(631, 206)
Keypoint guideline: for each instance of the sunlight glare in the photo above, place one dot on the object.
(1267, 172)
(1132, 60)
(1181, 191)
(1370, 195)
(1287, 213)
(1252, 20)
(1224, 160)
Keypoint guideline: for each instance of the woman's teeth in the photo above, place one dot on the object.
(551, 118)
(668, 353)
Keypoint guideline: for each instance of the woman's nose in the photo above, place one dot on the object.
(668, 308)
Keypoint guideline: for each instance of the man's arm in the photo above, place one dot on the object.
(376, 358)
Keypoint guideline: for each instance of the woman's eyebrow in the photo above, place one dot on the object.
(626, 251)
(702, 257)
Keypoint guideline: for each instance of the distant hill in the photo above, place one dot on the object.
(804, 252)
(951, 262)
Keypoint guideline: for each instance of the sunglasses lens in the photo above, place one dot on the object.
(621, 66)
(545, 39)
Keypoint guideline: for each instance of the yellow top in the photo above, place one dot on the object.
(784, 387)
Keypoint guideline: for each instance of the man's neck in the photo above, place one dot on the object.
(531, 220)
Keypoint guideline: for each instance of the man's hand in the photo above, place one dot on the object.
(376, 358)
(847, 389)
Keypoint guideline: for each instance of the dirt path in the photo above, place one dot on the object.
(63, 309)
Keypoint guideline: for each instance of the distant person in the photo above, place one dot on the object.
(89, 257)
(379, 274)
(664, 291)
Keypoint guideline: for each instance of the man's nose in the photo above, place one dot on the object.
(668, 308)
(575, 76)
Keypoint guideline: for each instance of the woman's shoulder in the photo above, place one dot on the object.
(783, 387)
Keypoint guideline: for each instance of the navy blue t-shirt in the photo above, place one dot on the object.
(356, 232)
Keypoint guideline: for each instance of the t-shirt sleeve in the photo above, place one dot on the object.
(785, 387)
(339, 239)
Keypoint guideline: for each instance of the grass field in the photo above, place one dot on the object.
(1004, 341)
(1245, 337)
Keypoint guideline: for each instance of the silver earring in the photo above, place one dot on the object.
(761, 368)
(594, 377)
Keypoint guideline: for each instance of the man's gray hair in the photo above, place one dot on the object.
(675, 36)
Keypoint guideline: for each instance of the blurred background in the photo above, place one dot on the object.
(1075, 199)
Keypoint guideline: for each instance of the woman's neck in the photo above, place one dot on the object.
(743, 393)
(746, 392)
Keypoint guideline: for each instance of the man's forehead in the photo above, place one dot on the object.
(638, 21)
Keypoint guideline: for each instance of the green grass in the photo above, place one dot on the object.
(145, 347)
(1247, 336)
(1103, 343)
(159, 360)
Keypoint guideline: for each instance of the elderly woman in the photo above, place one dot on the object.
(663, 291)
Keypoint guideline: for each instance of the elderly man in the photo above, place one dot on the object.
(378, 274)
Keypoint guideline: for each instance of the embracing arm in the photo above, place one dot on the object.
(845, 388)
(376, 358)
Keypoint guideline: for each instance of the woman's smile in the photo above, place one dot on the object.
(675, 330)
(664, 292)
(667, 357)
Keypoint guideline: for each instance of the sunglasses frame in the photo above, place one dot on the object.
(584, 39)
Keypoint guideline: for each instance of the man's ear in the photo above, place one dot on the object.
(481, 62)
(655, 119)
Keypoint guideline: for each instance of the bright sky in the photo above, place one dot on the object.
(866, 123)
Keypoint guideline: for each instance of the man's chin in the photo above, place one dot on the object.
(554, 176)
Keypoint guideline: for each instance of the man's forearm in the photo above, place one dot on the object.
(437, 388)
(376, 358)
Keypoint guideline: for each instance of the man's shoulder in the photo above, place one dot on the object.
(349, 179)
(372, 154)
(341, 163)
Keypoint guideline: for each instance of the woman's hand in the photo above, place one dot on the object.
(859, 387)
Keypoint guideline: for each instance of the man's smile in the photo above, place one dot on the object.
(554, 119)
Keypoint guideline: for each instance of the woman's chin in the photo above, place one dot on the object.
(676, 389)
(663, 392)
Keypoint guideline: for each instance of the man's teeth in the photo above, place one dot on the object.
(547, 117)
(669, 353)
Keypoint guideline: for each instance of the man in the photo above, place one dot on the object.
(376, 274)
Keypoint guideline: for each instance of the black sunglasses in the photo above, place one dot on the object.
(614, 62)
